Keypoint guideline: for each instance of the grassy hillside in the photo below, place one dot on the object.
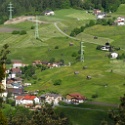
(103, 82)
(108, 76)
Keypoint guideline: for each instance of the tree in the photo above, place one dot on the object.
(3, 120)
(47, 116)
(3, 57)
(118, 115)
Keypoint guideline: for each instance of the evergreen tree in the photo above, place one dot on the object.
(118, 115)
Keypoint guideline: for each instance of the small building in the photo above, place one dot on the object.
(120, 21)
(75, 98)
(104, 48)
(37, 62)
(101, 15)
(51, 98)
(14, 72)
(114, 55)
(49, 13)
(26, 100)
(96, 11)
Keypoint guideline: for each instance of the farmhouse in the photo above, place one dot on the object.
(120, 21)
(14, 72)
(75, 98)
(51, 98)
(101, 15)
(17, 63)
(97, 11)
(114, 55)
(49, 13)
(26, 100)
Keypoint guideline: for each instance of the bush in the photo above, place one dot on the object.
(22, 32)
(57, 82)
(15, 32)
(94, 95)
(56, 47)
(74, 54)
(32, 27)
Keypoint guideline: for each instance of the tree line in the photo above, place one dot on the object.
(33, 7)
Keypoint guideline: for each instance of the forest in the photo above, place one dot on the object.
(31, 7)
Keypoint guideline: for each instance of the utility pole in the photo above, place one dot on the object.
(10, 10)
(82, 52)
(36, 29)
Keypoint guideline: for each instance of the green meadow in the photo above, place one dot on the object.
(108, 75)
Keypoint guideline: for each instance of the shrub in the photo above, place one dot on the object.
(15, 32)
(57, 82)
(94, 95)
(74, 54)
(22, 32)
(32, 27)
(56, 47)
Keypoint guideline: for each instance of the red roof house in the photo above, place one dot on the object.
(75, 98)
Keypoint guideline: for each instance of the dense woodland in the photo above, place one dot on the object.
(29, 7)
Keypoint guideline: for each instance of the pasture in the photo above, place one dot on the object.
(109, 86)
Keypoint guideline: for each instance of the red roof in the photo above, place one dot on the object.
(77, 96)
(19, 97)
(29, 97)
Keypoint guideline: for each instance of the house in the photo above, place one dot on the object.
(54, 64)
(18, 64)
(100, 15)
(96, 11)
(14, 87)
(26, 100)
(104, 48)
(51, 98)
(114, 55)
(49, 13)
(75, 98)
(37, 62)
(14, 72)
(120, 21)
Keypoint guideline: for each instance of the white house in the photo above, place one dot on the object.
(49, 13)
(52, 98)
(114, 55)
(26, 100)
(104, 48)
(100, 15)
(120, 21)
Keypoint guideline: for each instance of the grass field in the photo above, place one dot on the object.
(108, 76)
(28, 49)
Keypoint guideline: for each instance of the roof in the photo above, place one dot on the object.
(77, 96)
(29, 97)
(16, 70)
(19, 97)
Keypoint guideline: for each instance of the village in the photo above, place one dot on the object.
(15, 88)
(15, 85)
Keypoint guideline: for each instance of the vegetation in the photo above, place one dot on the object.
(31, 7)
(118, 115)
(107, 75)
